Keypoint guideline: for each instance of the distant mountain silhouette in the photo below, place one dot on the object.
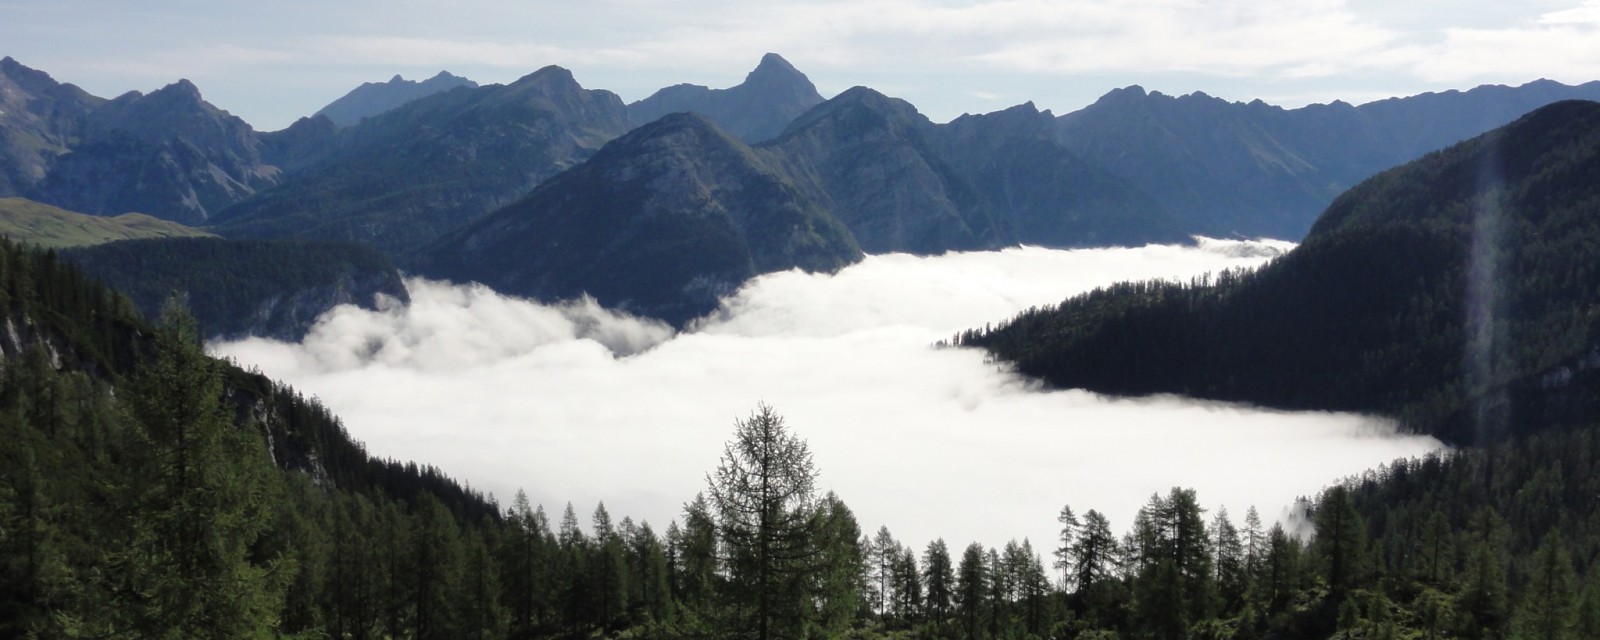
(373, 98)
(408, 176)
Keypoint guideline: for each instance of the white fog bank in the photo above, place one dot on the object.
(574, 403)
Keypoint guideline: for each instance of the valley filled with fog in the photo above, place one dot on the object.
(576, 403)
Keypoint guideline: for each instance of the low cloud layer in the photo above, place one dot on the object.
(574, 403)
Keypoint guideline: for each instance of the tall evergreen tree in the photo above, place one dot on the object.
(938, 579)
(972, 588)
(197, 501)
(839, 561)
(1547, 611)
(1340, 542)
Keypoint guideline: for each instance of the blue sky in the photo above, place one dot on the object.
(273, 62)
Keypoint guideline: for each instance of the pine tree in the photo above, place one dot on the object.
(972, 588)
(1063, 553)
(938, 578)
(839, 562)
(1229, 563)
(1483, 598)
(1340, 541)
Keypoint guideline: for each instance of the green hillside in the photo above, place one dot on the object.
(45, 226)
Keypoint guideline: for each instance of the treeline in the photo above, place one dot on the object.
(164, 499)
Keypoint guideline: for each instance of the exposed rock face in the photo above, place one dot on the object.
(373, 98)
(661, 222)
(408, 176)
(169, 154)
(39, 118)
(758, 109)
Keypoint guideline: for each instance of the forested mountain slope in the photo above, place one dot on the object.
(1458, 292)
(148, 490)
(241, 288)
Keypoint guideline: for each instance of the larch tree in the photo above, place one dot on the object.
(763, 497)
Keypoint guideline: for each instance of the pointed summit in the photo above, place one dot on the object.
(774, 67)
(772, 95)
(182, 88)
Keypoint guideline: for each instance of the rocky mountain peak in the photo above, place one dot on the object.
(549, 80)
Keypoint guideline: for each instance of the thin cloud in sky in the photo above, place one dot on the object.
(575, 403)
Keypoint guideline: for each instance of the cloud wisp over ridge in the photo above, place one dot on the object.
(575, 403)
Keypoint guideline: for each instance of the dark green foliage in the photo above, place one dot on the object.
(244, 288)
(1484, 249)
(762, 494)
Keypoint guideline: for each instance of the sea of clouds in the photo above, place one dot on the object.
(573, 402)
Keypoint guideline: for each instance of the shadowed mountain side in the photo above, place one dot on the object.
(661, 222)
(758, 109)
(373, 98)
(1236, 169)
(408, 176)
(873, 161)
(1042, 194)
(1458, 292)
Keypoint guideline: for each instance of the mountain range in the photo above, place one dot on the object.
(411, 180)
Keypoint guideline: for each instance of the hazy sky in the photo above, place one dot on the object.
(570, 404)
(271, 62)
